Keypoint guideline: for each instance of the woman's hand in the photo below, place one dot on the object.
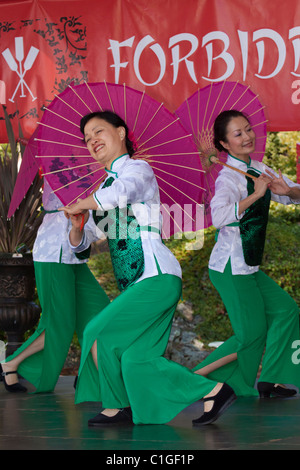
(278, 185)
(261, 184)
(79, 220)
(80, 206)
(73, 209)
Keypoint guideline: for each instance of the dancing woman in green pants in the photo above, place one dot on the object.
(69, 295)
(132, 332)
(264, 318)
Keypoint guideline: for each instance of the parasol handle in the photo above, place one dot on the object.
(214, 159)
(82, 220)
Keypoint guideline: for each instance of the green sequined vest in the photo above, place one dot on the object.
(123, 235)
(253, 225)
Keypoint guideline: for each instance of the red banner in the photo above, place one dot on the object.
(169, 49)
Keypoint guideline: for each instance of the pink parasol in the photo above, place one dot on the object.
(28, 169)
(198, 114)
(159, 137)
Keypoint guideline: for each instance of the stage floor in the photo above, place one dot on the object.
(52, 422)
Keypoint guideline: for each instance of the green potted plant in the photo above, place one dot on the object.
(18, 311)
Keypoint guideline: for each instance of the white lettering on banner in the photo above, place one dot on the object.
(228, 59)
(115, 48)
(269, 33)
(296, 94)
(296, 44)
(260, 38)
(176, 58)
(158, 51)
(243, 37)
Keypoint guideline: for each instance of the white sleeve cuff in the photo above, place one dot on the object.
(236, 209)
(83, 245)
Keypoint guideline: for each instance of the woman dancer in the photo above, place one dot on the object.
(262, 315)
(133, 330)
(70, 297)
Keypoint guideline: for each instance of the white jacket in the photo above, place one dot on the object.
(230, 189)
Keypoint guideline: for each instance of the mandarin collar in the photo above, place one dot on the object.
(234, 161)
(117, 164)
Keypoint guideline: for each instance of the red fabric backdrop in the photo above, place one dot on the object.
(169, 49)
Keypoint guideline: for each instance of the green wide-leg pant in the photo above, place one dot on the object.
(70, 297)
(265, 321)
(132, 334)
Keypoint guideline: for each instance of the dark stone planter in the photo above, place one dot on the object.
(18, 312)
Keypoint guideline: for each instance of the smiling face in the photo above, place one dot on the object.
(240, 138)
(104, 141)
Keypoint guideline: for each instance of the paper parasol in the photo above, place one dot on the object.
(26, 174)
(198, 113)
(160, 138)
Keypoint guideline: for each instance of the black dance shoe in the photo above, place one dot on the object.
(266, 389)
(124, 416)
(222, 400)
(14, 387)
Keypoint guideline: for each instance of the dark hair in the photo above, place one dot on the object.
(220, 126)
(113, 119)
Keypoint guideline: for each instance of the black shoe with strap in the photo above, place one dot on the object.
(266, 389)
(14, 388)
(222, 400)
